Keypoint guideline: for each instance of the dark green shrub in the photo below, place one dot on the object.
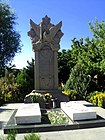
(79, 81)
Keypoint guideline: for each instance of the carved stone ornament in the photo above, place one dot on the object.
(44, 34)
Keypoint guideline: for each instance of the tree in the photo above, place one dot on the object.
(30, 73)
(25, 79)
(98, 30)
(9, 38)
(79, 80)
(65, 64)
(89, 56)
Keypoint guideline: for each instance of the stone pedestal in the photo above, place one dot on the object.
(28, 114)
(77, 111)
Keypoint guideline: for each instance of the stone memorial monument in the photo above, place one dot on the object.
(45, 38)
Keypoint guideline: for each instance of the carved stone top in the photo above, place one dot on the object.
(45, 33)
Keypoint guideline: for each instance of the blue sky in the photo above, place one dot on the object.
(74, 14)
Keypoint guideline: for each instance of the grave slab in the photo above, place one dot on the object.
(77, 111)
(28, 114)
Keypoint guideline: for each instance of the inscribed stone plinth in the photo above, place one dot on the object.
(77, 111)
(45, 39)
(28, 114)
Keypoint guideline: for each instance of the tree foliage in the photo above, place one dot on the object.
(65, 63)
(25, 79)
(9, 89)
(16, 84)
(89, 56)
(79, 80)
(9, 38)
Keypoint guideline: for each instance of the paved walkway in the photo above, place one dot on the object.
(81, 134)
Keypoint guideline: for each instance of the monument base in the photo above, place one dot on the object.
(56, 94)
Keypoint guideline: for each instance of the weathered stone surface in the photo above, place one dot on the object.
(77, 111)
(45, 39)
(28, 114)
